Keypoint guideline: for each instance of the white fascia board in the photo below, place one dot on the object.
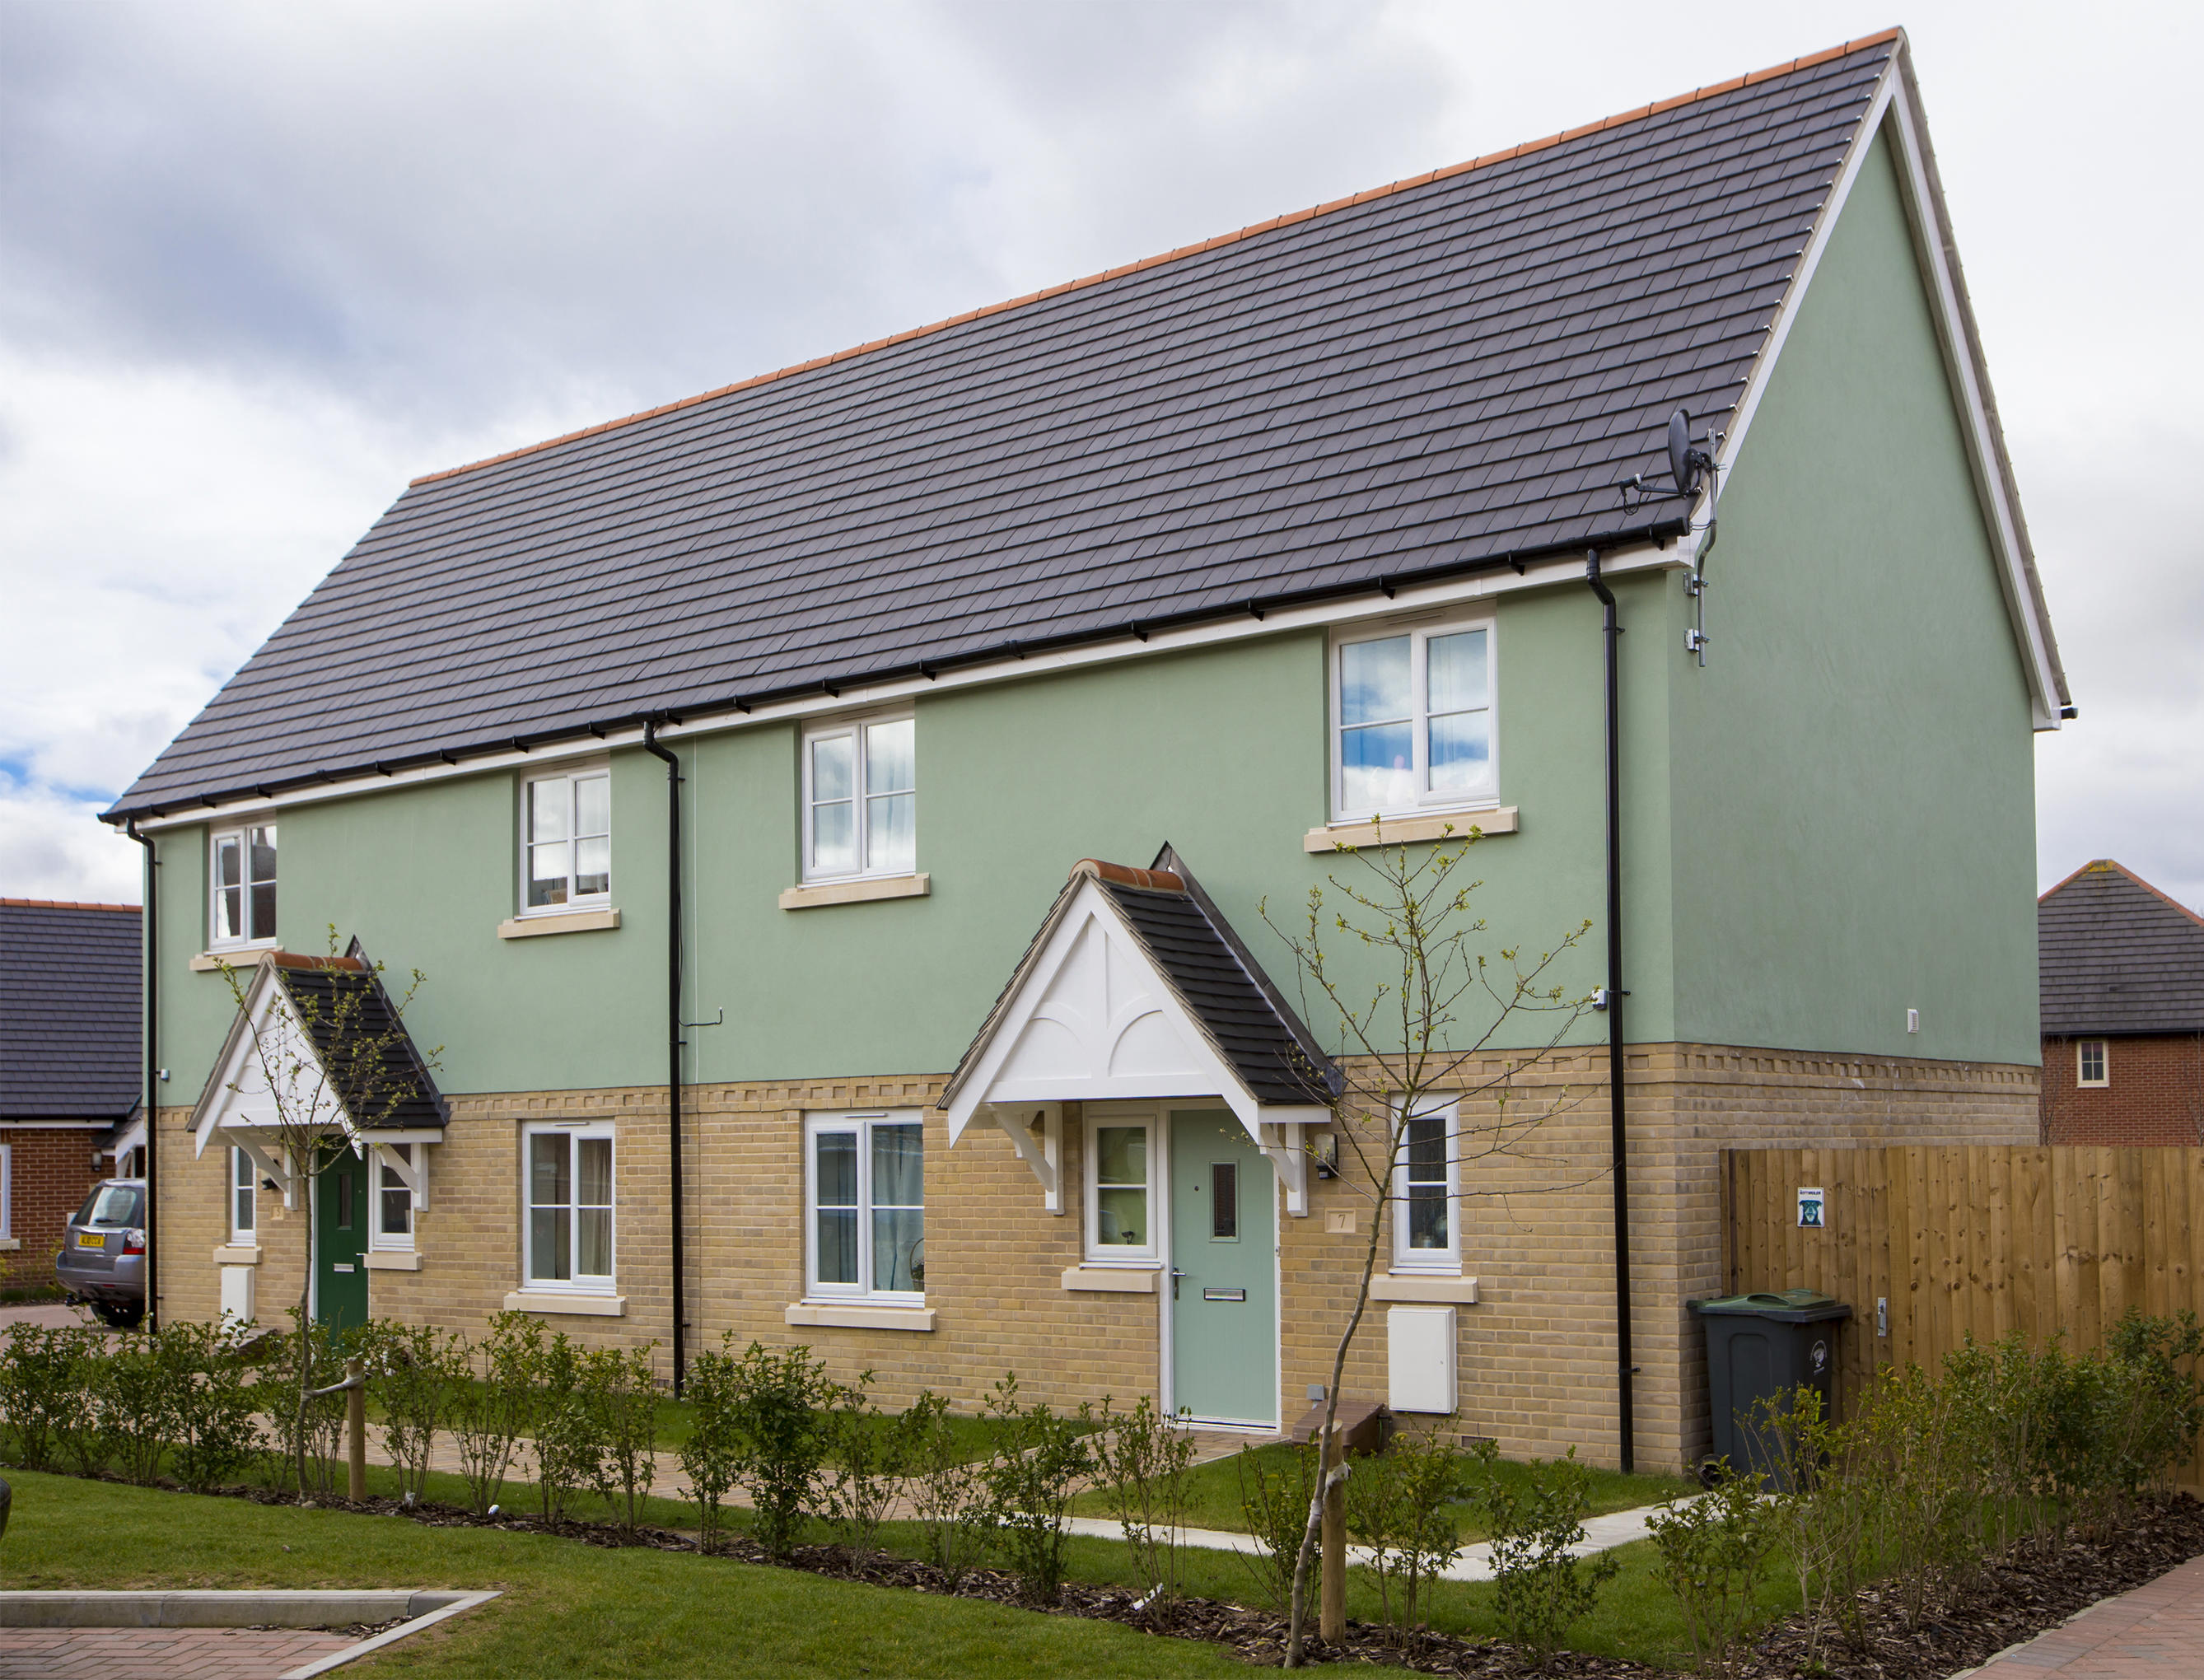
(1566, 570)
(1992, 486)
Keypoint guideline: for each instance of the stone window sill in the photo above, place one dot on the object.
(571, 921)
(237, 956)
(1398, 831)
(9, 1244)
(1111, 1280)
(237, 1254)
(865, 891)
(391, 1260)
(1435, 1288)
(857, 1316)
(544, 1301)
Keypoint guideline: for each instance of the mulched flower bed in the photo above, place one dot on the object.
(2011, 1597)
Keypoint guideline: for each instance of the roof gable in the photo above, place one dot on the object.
(1448, 376)
(2116, 955)
(71, 1033)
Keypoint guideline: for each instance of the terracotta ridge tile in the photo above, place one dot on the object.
(1253, 229)
(1149, 880)
(66, 904)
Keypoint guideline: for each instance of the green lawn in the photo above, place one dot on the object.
(568, 1609)
(1215, 1491)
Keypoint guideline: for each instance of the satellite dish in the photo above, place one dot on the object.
(1684, 461)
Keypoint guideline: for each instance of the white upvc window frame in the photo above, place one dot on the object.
(1100, 1253)
(2104, 1049)
(1441, 1261)
(7, 1190)
(244, 1193)
(255, 937)
(577, 1281)
(381, 1182)
(570, 777)
(861, 1123)
(861, 796)
(1420, 631)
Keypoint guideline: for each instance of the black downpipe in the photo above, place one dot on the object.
(1612, 1001)
(152, 955)
(672, 1025)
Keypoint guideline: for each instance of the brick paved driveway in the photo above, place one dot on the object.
(159, 1653)
(2153, 1633)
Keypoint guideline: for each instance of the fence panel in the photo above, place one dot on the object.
(1985, 1240)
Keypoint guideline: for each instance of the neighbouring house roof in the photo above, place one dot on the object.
(311, 987)
(1451, 373)
(1195, 951)
(2118, 956)
(71, 1040)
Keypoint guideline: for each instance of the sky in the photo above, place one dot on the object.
(260, 264)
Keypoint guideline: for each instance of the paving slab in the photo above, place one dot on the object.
(2155, 1632)
(163, 1653)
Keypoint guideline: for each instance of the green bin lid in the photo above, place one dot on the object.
(1786, 1301)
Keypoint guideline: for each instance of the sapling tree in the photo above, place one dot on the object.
(330, 1059)
(1436, 1062)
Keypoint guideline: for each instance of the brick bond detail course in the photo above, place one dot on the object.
(1536, 1353)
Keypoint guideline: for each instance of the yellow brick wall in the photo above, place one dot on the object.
(1537, 1353)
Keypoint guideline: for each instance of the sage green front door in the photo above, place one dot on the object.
(1223, 1272)
(341, 1213)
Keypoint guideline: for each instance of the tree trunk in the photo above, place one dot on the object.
(1331, 1619)
(306, 1329)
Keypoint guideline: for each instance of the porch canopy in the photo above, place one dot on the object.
(1136, 988)
(281, 1047)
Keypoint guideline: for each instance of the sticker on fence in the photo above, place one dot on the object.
(1810, 1207)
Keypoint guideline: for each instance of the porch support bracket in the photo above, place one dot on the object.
(1036, 1131)
(1283, 1142)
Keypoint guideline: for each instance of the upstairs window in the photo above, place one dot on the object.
(1424, 1235)
(567, 841)
(1413, 730)
(2093, 1064)
(861, 800)
(244, 885)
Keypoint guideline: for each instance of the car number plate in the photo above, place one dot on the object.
(91, 1240)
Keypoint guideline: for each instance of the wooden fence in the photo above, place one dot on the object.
(1983, 1239)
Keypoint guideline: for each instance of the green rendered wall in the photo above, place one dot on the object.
(1853, 770)
(1220, 751)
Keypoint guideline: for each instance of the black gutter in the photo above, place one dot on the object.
(926, 667)
(152, 957)
(672, 1025)
(1611, 1000)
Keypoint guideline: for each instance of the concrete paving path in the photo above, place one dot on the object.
(162, 1653)
(2155, 1632)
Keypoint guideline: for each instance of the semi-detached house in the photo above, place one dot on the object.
(1009, 664)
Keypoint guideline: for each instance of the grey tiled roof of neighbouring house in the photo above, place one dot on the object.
(1203, 962)
(71, 1044)
(2118, 956)
(1449, 373)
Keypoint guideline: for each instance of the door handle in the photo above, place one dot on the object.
(1175, 1275)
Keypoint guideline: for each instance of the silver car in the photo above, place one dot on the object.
(102, 1261)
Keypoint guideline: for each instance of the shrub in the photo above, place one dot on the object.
(622, 1394)
(1144, 1458)
(81, 1429)
(1542, 1589)
(1428, 1469)
(137, 1407)
(711, 1456)
(211, 1411)
(1275, 1508)
(414, 1372)
(569, 1451)
(948, 1493)
(871, 1457)
(779, 1409)
(1713, 1552)
(487, 1416)
(1038, 1460)
(1820, 1519)
(37, 1375)
(305, 1441)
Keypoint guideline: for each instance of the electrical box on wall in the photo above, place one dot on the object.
(1420, 1360)
(237, 1294)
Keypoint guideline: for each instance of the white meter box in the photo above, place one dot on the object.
(1420, 1360)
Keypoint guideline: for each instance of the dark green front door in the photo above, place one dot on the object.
(341, 1206)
